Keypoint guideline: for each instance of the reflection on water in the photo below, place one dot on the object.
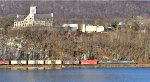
(78, 75)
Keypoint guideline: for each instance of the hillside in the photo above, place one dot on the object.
(79, 9)
(130, 41)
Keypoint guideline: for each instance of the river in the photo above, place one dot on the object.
(78, 75)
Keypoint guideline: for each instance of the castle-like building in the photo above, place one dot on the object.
(33, 19)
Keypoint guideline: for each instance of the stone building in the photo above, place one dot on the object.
(33, 19)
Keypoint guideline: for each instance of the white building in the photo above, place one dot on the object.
(83, 28)
(100, 29)
(72, 27)
(33, 19)
(88, 28)
(91, 28)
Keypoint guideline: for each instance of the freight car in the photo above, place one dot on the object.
(53, 62)
(4, 62)
(126, 62)
(88, 61)
(116, 62)
(107, 62)
(71, 62)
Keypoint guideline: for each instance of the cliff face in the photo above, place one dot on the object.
(78, 9)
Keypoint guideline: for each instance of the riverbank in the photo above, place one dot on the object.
(50, 67)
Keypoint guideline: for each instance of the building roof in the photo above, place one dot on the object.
(36, 17)
(42, 16)
(20, 17)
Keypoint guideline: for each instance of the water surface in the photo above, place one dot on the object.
(78, 75)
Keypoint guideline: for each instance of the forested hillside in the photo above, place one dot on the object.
(78, 9)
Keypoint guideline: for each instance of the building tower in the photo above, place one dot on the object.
(33, 10)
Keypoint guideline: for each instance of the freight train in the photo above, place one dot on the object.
(59, 62)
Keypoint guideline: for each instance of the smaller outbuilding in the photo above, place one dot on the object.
(70, 27)
(100, 29)
(90, 28)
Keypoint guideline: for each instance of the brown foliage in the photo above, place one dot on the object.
(132, 44)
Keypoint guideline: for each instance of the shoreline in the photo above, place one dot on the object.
(59, 67)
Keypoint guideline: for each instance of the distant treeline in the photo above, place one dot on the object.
(74, 10)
